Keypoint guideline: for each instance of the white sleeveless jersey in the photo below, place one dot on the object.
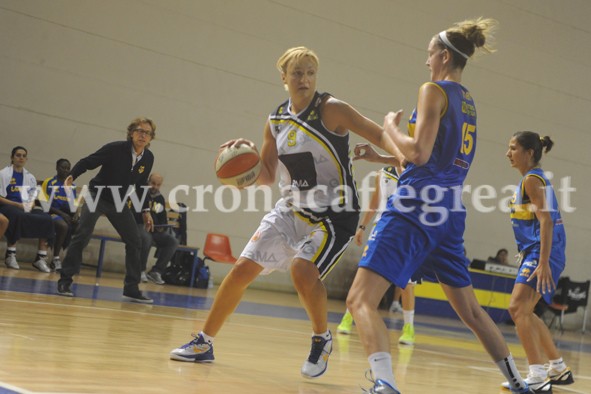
(388, 183)
(315, 169)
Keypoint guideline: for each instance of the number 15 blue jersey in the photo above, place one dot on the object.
(455, 144)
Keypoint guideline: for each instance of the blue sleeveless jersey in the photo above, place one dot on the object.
(60, 197)
(13, 190)
(455, 143)
(525, 224)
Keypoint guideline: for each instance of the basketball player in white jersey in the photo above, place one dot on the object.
(306, 143)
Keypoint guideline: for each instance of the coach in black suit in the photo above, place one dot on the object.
(124, 165)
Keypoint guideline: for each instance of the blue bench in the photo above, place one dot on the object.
(103, 238)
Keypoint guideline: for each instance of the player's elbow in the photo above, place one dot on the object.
(418, 157)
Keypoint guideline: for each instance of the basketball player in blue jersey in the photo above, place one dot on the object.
(541, 242)
(425, 216)
(305, 142)
(62, 209)
(385, 185)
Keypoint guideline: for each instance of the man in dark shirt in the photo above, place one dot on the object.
(124, 165)
(161, 236)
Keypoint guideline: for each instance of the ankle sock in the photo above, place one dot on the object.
(558, 364)
(381, 367)
(408, 316)
(325, 335)
(207, 338)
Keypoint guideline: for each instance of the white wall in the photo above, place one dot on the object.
(75, 72)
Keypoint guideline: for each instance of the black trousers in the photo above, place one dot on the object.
(124, 224)
(34, 224)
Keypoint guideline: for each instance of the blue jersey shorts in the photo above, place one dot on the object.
(529, 262)
(419, 243)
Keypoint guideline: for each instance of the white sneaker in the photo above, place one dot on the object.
(41, 265)
(395, 307)
(11, 262)
(144, 277)
(317, 361)
(57, 264)
(537, 383)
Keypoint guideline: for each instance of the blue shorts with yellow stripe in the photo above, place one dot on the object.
(529, 263)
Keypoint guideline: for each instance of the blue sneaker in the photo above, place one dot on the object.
(526, 390)
(198, 351)
(381, 387)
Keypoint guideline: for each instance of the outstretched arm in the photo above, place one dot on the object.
(340, 117)
(374, 204)
(365, 151)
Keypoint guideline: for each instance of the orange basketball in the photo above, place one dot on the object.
(238, 167)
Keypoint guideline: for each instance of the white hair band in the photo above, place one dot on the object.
(443, 37)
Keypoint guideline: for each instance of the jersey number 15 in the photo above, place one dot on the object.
(468, 131)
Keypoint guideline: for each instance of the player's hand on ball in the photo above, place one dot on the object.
(237, 143)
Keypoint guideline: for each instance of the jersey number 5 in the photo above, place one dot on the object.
(468, 131)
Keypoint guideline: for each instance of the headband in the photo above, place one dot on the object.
(443, 37)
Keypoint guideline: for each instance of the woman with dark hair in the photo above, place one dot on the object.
(541, 242)
(62, 209)
(18, 190)
(502, 257)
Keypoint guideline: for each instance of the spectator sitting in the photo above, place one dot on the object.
(62, 204)
(502, 257)
(18, 188)
(3, 225)
(161, 234)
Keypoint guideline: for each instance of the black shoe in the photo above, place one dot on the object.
(137, 297)
(63, 289)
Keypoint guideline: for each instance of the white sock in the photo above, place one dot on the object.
(409, 316)
(11, 249)
(395, 304)
(538, 370)
(381, 367)
(325, 335)
(558, 364)
(207, 338)
(56, 258)
(42, 252)
(507, 367)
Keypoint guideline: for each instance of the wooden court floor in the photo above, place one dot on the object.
(95, 343)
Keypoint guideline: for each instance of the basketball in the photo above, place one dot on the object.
(238, 166)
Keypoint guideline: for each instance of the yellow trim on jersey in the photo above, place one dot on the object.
(324, 145)
(523, 183)
(390, 176)
(332, 267)
(44, 188)
(444, 109)
(522, 212)
(321, 225)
